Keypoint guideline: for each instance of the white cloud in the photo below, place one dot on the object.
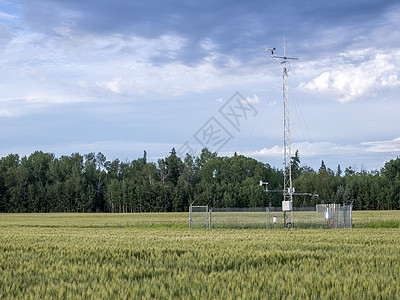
(30, 104)
(5, 113)
(273, 151)
(6, 16)
(361, 73)
(391, 146)
(207, 44)
(88, 67)
(114, 85)
(310, 149)
(253, 100)
(372, 154)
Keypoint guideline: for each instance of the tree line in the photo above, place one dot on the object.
(42, 182)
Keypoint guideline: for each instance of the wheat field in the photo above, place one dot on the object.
(131, 256)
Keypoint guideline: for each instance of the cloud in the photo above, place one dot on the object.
(357, 74)
(208, 44)
(80, 67)
(150, 20)
(5, 113)
(114, 54)
(310, 149)
(6, 16)
(113, 86)
(372, 153)
(189, 33)
(253, 100)
(363, 59)
(391, 146)
(273, 151)
(237, 28)
(330, 148)
(32, 104)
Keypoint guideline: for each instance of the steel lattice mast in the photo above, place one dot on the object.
(287, 204)
(288, 189)
(287, 152)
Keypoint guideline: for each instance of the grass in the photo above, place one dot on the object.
(381, 224)
(130, 256)
(87, 220)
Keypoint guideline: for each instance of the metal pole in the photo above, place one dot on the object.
(209, 219)
(190, 216)
(284, 219)
(351, 215)
(291, 213)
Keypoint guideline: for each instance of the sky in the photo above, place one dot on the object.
(121, 77)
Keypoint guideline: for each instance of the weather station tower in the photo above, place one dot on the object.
(288, 190)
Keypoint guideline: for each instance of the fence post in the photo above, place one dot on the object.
(207, 216)
(209, 219)
(190, 216)
(351, 215)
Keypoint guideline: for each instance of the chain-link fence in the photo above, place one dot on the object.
(303, 217)
(321, 216)
(253, 217)
(199, 217)
(334, 215)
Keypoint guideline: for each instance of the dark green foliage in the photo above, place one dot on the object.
(90, 183)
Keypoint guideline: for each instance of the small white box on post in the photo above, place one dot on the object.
(287, 205)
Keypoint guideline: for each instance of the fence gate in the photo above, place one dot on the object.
(199, 217)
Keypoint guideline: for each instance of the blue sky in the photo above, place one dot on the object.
(120, 77)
